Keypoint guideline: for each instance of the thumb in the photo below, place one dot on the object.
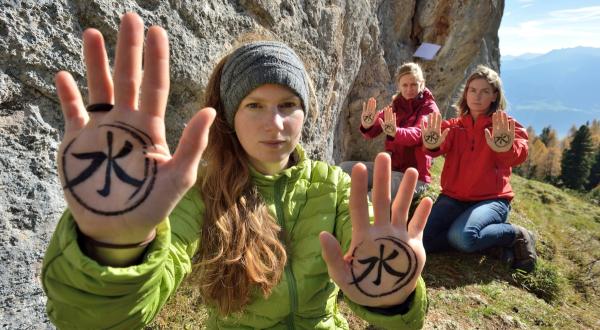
(444, 134)
(488, 137)
(194, 140)
(332, 254)
(381, 122)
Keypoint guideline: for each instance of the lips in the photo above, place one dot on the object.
(273, 143)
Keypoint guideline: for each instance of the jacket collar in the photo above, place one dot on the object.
(292, 173)
(481, 122)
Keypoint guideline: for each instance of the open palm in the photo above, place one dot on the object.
(385, 259)
(503, 132)
(118, 175)
(431, 131)
(369, 113)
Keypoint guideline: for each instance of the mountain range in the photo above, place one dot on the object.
(560, 88)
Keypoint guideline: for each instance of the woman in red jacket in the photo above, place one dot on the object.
(401, 121)
(480, 146)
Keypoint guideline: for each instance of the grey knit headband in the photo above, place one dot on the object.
(258, 63)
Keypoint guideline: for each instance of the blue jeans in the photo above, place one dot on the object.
(395, 182)
(468, 226)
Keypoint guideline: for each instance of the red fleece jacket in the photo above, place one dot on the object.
(472, 170)
(405, 147)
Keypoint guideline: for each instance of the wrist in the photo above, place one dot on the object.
(117, 255)
(401, 308)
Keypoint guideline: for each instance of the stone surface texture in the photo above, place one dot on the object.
(351, 49)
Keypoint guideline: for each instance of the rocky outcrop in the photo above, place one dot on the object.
(351, 49)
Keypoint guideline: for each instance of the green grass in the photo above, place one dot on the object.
(475, 291)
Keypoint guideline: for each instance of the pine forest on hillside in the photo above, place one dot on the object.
(572, 163)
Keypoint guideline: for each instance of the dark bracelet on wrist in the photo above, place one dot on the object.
(95, 243)
(400, 309)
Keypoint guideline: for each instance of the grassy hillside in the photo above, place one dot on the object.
(477, 291)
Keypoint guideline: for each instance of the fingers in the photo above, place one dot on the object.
(155, 83)
(359, 207)
(419, 219)
(193, 141)
(437, 122)
(389, 115)
(332, 254)
(99, 81)
(404, 197)
(372, 104)
(381, 188)
(500, 121)
(128, 61)
(504, 120)
(70, 102)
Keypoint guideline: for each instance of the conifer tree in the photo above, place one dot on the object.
(577, 160)
(594, 178)
(548, 136)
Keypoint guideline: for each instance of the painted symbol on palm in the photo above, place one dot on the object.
(389, 128)
(134, 174)
(369, 113)
(389, 270)
(432, 138)
(501, 140)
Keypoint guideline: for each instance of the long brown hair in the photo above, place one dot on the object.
(492, 77)
(240, 248)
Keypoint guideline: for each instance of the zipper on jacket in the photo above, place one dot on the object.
(292, 290)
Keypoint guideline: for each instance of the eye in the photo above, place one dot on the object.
(252, 105)
(289, 105)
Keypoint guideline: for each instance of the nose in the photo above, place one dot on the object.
(274, 120)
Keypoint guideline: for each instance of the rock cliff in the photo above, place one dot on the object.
(351, 49)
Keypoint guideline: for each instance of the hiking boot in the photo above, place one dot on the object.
(504, 254)
(524, 249)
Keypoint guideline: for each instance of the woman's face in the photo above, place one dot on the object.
(268, 124)
(480, 95)
(409, 86)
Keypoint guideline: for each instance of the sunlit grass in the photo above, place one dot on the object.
(475, 291)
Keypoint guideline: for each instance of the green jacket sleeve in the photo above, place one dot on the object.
(86, 295)
(415, 317)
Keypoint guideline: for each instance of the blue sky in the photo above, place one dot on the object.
(538, 26)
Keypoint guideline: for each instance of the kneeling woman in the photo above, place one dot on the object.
(480, 146)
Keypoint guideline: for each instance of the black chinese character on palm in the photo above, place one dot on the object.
(381, 263)
(98, 159)
(501, 140)
(432, 138)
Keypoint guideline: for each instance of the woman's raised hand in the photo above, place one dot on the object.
(118, 176)
(431, 131)
(369, 113)
(385, 259)
(503, 135)
(388, 124)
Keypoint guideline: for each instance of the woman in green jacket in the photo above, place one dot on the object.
(268, 226)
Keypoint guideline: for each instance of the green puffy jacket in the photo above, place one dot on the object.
(307, 198)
